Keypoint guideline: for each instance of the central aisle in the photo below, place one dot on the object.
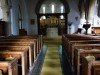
(52, 64)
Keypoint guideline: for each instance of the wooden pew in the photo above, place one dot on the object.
(9, 67)
(19, 48)
(34, 42)
(70, 37)
(38, 37)
(84, 50)
(35, 37)
(22, 59)
(13, 38)
(31, 44)
(78, 42)
(23, 42)
(73, 37)
(65, 45)
(81, 36)
(90, 67)
(32, 47)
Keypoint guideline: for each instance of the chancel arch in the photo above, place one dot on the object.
(52, 17)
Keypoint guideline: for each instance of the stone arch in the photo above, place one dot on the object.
(61, 28)
(40, 2)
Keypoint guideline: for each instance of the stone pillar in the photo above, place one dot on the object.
(99, 8)
(5, 6)
(91, 10)
(92, 4)
(82, 13)
(86, 9)
(81, 9)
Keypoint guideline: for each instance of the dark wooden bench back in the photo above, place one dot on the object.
(79, 53)
(90, 67)
(9, 67)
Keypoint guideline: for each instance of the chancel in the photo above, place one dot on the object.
(49, 37)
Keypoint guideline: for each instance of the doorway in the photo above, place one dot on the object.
(52, 17)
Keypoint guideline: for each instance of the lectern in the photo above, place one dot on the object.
(86, 27)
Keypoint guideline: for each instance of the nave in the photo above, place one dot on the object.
(73, 54)
(29, 55)
(50, 61)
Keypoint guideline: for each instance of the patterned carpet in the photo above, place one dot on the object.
(51, 64)
(51, 60)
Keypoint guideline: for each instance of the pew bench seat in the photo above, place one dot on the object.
(9, 67)
(79, 53)
(90, 67)
(22, 59)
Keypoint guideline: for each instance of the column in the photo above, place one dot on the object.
(86, 8)
(82, 15)
(92, 4)
(5, 6)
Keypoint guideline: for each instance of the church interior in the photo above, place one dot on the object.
(49, 37)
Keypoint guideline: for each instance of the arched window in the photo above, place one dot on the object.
(44, 9)
(1, 13)
(62, 9)
(52, 7)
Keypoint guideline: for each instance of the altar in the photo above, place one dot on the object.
(52, 32)
(52, 25)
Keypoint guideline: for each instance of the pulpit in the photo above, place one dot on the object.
(52, 32)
